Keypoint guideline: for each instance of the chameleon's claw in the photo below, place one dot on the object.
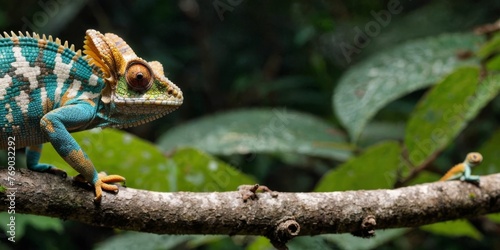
(56, 171)
(79, 178)
(102, 184)
(46, 168)
(472, 178)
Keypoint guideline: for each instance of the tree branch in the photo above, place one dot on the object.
(272, 214)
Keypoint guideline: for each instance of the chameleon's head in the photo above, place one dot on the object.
(473, 159)
(134, 87)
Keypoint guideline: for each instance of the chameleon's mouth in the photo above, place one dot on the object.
(163, 96)
(146, 106)
(136, 112)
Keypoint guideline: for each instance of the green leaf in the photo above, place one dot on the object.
(493, 64)
(21, 221)
(308, 242)
(375, 168)
(454, 228)
(210, 242)
(367, 87)
(425, 21)
(200, 172)
(146, 167)
(348, 241)
(380, 131)
(445, 111)
(491, 47)
(491, 157)
(137, 240)
(260, 131)
(424, 177)
(494, 217)
(260, 243)
(112, 151)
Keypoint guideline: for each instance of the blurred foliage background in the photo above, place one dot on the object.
(297, 95)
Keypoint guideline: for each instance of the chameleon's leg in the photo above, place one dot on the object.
(74, 117)
(32, 161)
(467, 175)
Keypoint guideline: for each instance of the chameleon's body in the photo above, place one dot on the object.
(48, 90)
(462, 171)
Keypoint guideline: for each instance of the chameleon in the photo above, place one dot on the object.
(462, 171)
(48, 90)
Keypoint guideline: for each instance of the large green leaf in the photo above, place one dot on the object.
(146, 167)
(490, 48)
(424, 177)
(426, 20)
(138, 240)
(309, 242)
(260, 131)
(445, 111)
(375, 168)
(491, 157)
(260, 243)
(367, 87)
(349, 242)
(493, 64)
(454, 228)
(494, 217)
(22, 221)
(200, 172)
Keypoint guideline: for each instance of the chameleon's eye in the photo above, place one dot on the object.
(139, 77)
(475, 158)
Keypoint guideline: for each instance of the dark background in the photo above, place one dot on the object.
(226, 55)
(252, 54)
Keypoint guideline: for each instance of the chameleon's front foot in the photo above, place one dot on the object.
(102, 183)
(46, 168)
(56, 171)
(472, 178)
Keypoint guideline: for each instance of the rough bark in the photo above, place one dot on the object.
(273, 214)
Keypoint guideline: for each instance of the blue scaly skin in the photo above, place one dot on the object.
(48, 90)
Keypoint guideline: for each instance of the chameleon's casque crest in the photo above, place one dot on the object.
(131, 82)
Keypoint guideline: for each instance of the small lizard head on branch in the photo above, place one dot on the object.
(473, 159)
